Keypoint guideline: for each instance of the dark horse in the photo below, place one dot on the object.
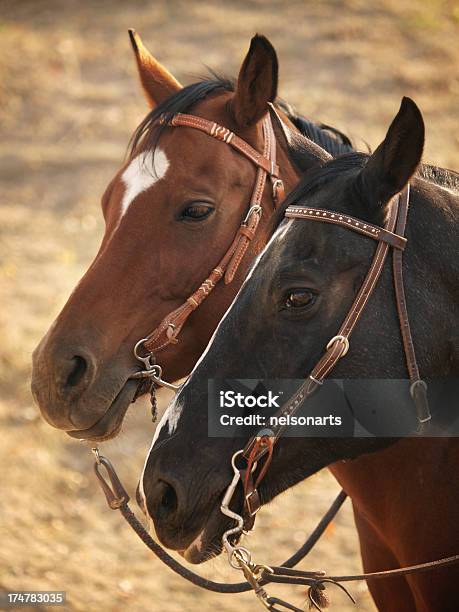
(171, 212)
(405, 492)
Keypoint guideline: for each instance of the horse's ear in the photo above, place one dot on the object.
(396, 159)
(157, 82)
(257, 82)
(305, 153)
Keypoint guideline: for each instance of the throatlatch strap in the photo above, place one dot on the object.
(418, 387)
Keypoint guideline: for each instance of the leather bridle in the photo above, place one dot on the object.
(169, 328)
(391, 236)
(260, 446)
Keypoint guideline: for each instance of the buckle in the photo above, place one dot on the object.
(253, 209)
(420, 400)
(340, 338)
(252, 509)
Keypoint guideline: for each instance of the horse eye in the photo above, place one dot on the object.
(197, 211)
(299, 298)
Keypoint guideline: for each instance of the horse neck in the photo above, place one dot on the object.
(431, 271)
(432, 223)
(394, 488)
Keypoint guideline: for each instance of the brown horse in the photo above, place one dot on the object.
(171, 213)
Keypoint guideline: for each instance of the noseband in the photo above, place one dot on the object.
(260, 446)
(167, 331)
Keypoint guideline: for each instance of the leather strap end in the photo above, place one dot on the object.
(170, 327)
(396, 241)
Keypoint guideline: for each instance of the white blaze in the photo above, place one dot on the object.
(144, 171)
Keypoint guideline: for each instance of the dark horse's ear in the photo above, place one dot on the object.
(394, 162)
(257, 82)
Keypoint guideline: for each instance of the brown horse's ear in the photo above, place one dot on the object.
(257, 82)
(157, 82)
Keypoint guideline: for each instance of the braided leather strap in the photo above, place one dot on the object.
(170, 327)
(225, 135)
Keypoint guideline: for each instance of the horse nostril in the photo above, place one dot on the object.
(80, 366)
(168, 501)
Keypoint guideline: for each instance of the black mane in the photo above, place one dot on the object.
(319, 176)
(149, 132)
(440, 176)
(329, 138)
(316, 178)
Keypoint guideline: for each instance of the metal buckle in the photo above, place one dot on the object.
(247, 501)
(417, 383)
(342, 339)
(421, 402)
(253, 209)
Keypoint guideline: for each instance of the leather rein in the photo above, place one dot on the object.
(257, 453)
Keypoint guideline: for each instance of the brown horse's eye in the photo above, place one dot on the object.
(196, 212)
(299, 298)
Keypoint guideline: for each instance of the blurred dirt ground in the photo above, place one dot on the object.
(69, 100)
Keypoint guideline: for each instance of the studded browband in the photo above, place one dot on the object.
(391, 236)
(167, 331)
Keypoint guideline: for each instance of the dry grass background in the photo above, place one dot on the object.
(69, 100)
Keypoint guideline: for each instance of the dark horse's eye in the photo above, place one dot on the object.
(299, 298)
(198, 211)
